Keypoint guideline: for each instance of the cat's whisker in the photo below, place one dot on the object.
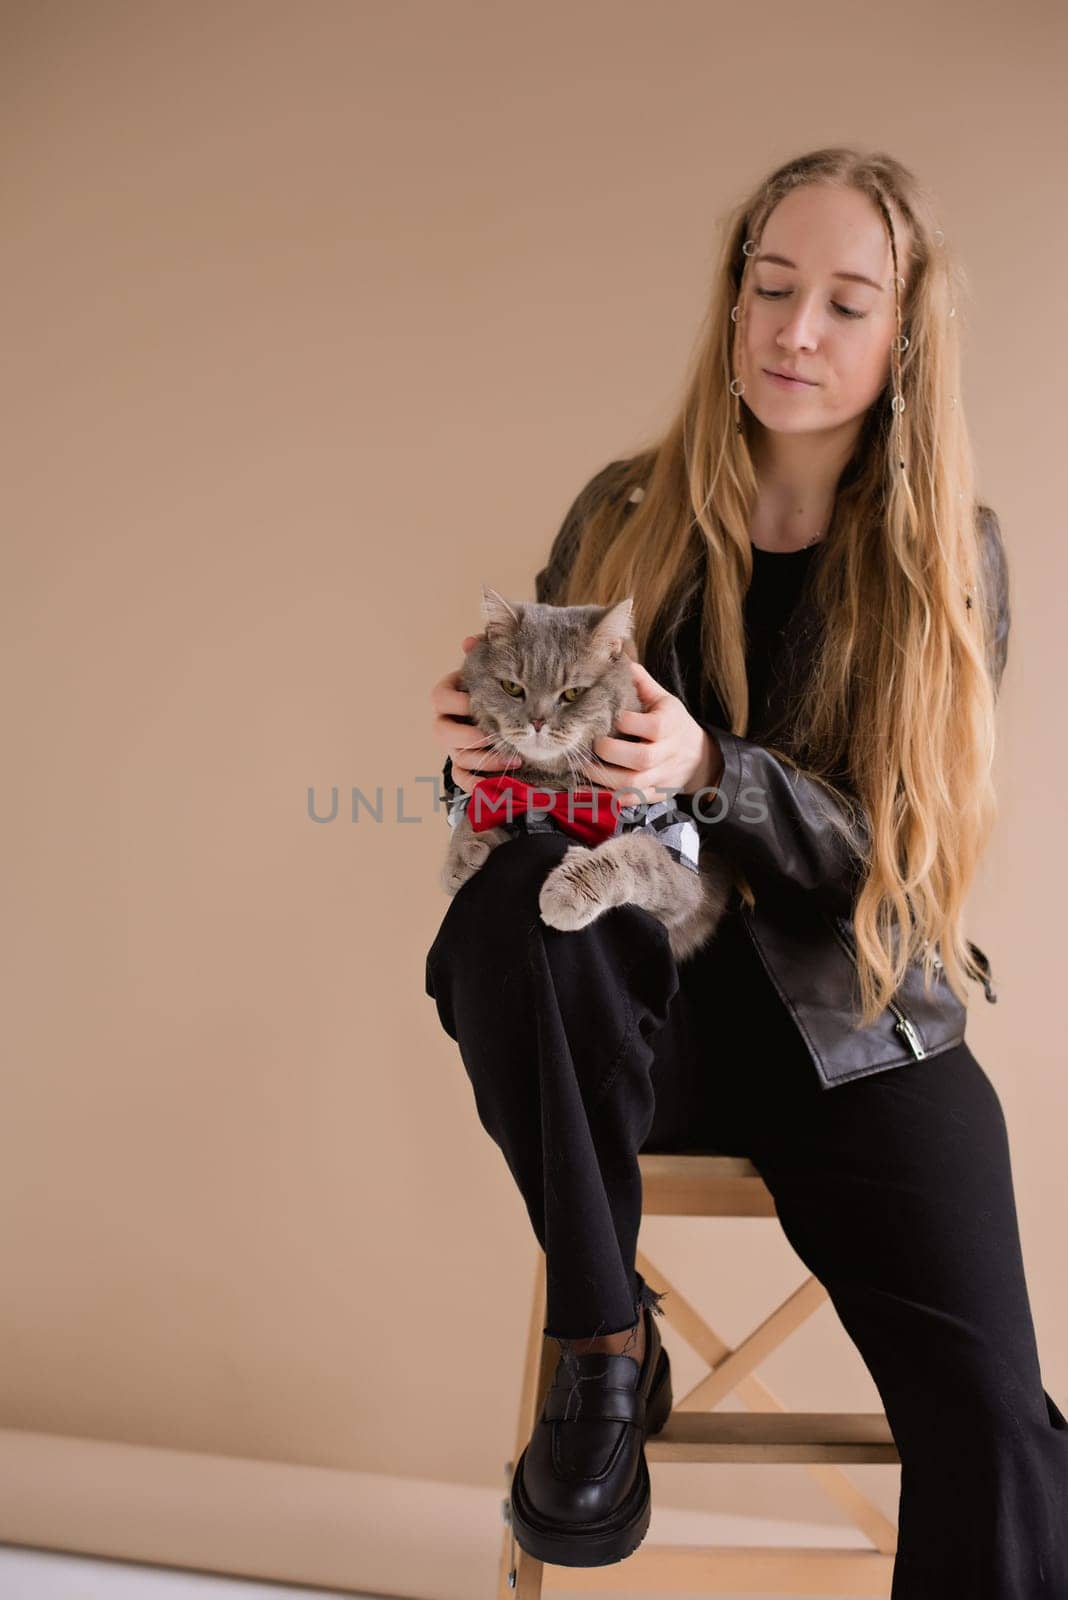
(586, 753)
(500, 746)
(574, 766)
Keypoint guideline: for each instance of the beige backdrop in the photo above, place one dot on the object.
(316, 316)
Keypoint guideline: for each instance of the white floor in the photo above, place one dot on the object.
(27, 1574)
(42, 1575)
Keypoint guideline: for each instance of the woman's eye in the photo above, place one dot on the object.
(569, 696)
(514, 689)
(777, 294)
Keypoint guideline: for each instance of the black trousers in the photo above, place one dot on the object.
(895, 1190)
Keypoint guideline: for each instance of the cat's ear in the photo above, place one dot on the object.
(614, 631)
(498, 615)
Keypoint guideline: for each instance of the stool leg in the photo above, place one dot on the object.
(520, 1575)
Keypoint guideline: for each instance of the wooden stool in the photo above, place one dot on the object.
(721, 1186)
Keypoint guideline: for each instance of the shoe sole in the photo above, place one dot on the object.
(613, 1538)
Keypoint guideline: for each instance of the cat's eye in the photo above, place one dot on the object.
(569, 696)
(516, 690)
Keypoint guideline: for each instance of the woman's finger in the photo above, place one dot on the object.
(476, 760)
(650, 693)
(448, 697)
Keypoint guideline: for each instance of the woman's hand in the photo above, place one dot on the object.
(473, 754)
(677, 755)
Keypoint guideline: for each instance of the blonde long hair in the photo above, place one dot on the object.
(898, 706)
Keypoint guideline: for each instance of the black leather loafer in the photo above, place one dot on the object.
(580, 1494)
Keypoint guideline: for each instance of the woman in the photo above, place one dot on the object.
(823, 610)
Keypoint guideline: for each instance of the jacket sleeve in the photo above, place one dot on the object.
(550, 580)
(789, 830)
(451, 792)
(785, 828)
(996, 579)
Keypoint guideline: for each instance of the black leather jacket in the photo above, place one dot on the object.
(801, 851)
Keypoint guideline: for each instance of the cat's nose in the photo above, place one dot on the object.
(537, 723)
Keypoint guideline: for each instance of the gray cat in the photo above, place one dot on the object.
(545, 681)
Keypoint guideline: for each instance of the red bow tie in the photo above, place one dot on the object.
(587, 813)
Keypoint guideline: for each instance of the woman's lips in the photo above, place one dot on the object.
(788, 383)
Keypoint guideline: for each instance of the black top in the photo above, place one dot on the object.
(776, 584)
(778, 577)
(743, 1013)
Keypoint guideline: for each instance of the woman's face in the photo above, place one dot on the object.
(824, 310)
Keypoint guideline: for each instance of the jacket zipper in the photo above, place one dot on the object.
(904, 1023)
(987, 977)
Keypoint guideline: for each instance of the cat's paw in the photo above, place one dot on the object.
(573, 893)
(462, 865)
